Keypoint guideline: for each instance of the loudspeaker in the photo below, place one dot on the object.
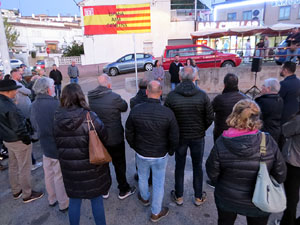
(256, 65)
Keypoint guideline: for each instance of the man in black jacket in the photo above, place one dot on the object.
(56, 75)
(223, 103)
(152, 131)
(174, 72)
(194, 115)
(271, 105)
(108, 106)
(141, 95)
(17, 139)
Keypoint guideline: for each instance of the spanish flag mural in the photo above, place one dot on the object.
(117, 19)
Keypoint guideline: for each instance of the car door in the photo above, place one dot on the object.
(140, 60)
(207, 57)
(185, 53)
(126, 63)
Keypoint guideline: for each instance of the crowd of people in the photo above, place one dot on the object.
(155, 131)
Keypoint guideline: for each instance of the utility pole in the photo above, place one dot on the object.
(4, 47)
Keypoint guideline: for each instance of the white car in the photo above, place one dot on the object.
(14, 63)
(1, 66)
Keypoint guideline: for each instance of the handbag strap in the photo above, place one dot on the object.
(263, 148)
(89, 121)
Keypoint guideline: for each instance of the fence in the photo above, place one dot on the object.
(69, 60)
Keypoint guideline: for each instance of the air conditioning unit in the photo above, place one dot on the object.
(258, 14)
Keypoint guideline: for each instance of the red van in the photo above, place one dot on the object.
(204, 56)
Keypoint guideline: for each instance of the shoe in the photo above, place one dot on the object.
(178, 201)
(105, 196)
(2, 167)
(64, 210)
(36, 166)
(163, 213)
(54, 204)
(34, 196)
(200, 201)
(277, 222)
(136, 177)
(124, 195)
(210, 183)
(143, 201)
(18, 195)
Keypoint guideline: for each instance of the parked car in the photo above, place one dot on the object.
(1, 67)
(127, 64)
(281, 52)
(40, 64)
(204, 56)
(14, 63)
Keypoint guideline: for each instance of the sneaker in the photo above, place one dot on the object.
(124, 195)
(143, 201)
(178, 201)
(277, 222)
(64, 210)
(36, 166)
(210, 183)
(163, 213)
(18, 195)
(105, 196)
(53, 204)
(200, 201)
(34, 196)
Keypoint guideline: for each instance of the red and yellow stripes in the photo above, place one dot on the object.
(117, 19)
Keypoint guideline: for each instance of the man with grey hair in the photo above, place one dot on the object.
(271, 105)
(152, 131)
(42, 118)
(109, 106)
(194, 114)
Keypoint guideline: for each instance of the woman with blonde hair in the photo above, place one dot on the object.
(234, 161)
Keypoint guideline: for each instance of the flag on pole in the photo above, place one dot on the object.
(117, 19)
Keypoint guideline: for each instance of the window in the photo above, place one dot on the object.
(284, 12)
(172, 53)
(128, 57)
(139, 56)
(187, 51)
(204, 51)
(231, 16)
(247, 15)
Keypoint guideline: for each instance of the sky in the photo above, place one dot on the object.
(49, 7)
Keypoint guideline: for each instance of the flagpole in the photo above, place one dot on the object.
(135, 62)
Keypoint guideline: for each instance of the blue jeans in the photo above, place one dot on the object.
(74, 80)
(173, 86)
(158, 167)
(197, 148)
(57, 90)
(97, 207)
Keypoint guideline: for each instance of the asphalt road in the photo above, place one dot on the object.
(118, 212)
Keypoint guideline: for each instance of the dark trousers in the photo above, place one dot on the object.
(197, 148)
(117, 153)
(292, 186)
(58, 90)
(228, 218)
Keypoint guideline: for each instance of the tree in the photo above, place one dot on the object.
(74, 50)
(11, 34)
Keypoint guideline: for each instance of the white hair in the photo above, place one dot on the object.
(187, 73)
(104, 80)
(273, 84)
(42, 85)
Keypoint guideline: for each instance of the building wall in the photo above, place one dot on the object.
(272, 14)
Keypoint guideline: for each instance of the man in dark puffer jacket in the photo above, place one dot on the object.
(223, 103)
(108, 106)
(141, 96)
(194, 115)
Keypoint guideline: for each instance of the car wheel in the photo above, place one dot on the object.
(148, 67)
(113, 71)
(228, 64)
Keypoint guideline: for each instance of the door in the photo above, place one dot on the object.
(126, 63)
(207, 57)
(140, 61)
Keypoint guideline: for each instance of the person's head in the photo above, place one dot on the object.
(295, 30)
(154, 89)
(27, 75)
(288, 69)
(266, 37)
(8, 88)
(45, 86)
(245, 116)
(15, 74)
(188, 62)
(248, 39)
(1, 75)
(21, 70)
(73, 63)
(23, 66)
(54, 66)
(104, 80)
(41, 72)
(270, 86)
(187, 73)
(176, 58)
(231, 82)
(261, 40)
(7, 77)
(157, 63)
(72, 96)
(143, 83)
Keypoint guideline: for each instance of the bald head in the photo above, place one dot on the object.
(104, 80)
(187, 73)
(154, 90)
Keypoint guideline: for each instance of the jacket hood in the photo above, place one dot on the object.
(275, 96)
(187, 88)
(244, 146)
(69, 119)
(99, 91)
